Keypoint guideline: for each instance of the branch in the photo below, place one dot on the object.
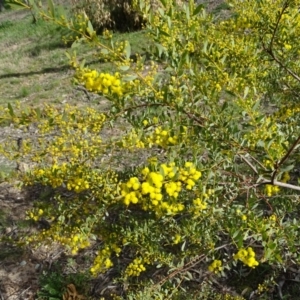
(285, 6)
(249, 164)
(279, 183)
(277, 165)
(283, 66)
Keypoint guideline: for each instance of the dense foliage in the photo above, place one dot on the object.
(211, 118)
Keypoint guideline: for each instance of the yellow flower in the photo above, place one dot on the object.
(287, 46)
(216, 266)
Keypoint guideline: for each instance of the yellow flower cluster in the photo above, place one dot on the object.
(268, 164)
(247, 256)
(104, 83)
(271, 190)
(287, 112)
(199, 204)
(216, 266)
(79, 23)
(176, 239)
(132, 140)
(189, 175)
(285, 177)
(74, 240)
(161, 138)
(265, 130)
(34, 214)
(135, 268)
(75, 178)
(158, 137)
(161, 188)
(262, 288)
(78, 241)
(102, 261)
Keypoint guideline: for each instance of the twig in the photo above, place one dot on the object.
(277, 165)
(278, 183)
(282, 65)
(285, 6)
(249, 164)
(81, 88)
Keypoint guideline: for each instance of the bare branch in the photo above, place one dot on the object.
(278, 183)
(249, 164)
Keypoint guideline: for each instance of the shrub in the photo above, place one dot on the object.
(106, 14)
(211, 142)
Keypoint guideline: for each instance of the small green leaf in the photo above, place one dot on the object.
(187, 12)
(104, 51)
(164, 33)
(82, 64)
(160, 49)
(90, 29)
(198, 9)
(163, 2)
(287, 168)
(61, 12)
(161, 11)
(246, 91)
(51, 8)
(124, 68)
(183, 246)
(38, 112)
(127, 50)
(11, 111)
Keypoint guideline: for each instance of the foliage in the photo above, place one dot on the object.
(108, 14)
(212, 135)
(55, 284)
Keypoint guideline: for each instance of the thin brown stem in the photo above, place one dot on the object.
(287, 155)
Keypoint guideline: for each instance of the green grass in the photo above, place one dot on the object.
(35, 68)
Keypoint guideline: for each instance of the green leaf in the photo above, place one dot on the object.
(77, 43)
(160, 49)
(287, 168)
(11, 111)
(183, 246)
(187, 12)
(104, 51)
(82, 64)
(198, 9)
(127, 50)
(68, 55)
(164, 33)
(124, 68)
(13, 4)
(38, 112)
(163, 2)
(33, 4)
(205, 44)
(169, 22)
(246, 91)
(61, 11)
(161, 11)
(90, 28)
(51, 8)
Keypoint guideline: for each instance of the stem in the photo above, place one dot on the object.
(279, 183)
(277, 166)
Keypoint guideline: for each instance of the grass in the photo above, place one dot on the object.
(34, 65)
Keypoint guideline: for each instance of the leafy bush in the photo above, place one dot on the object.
(211, 135)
